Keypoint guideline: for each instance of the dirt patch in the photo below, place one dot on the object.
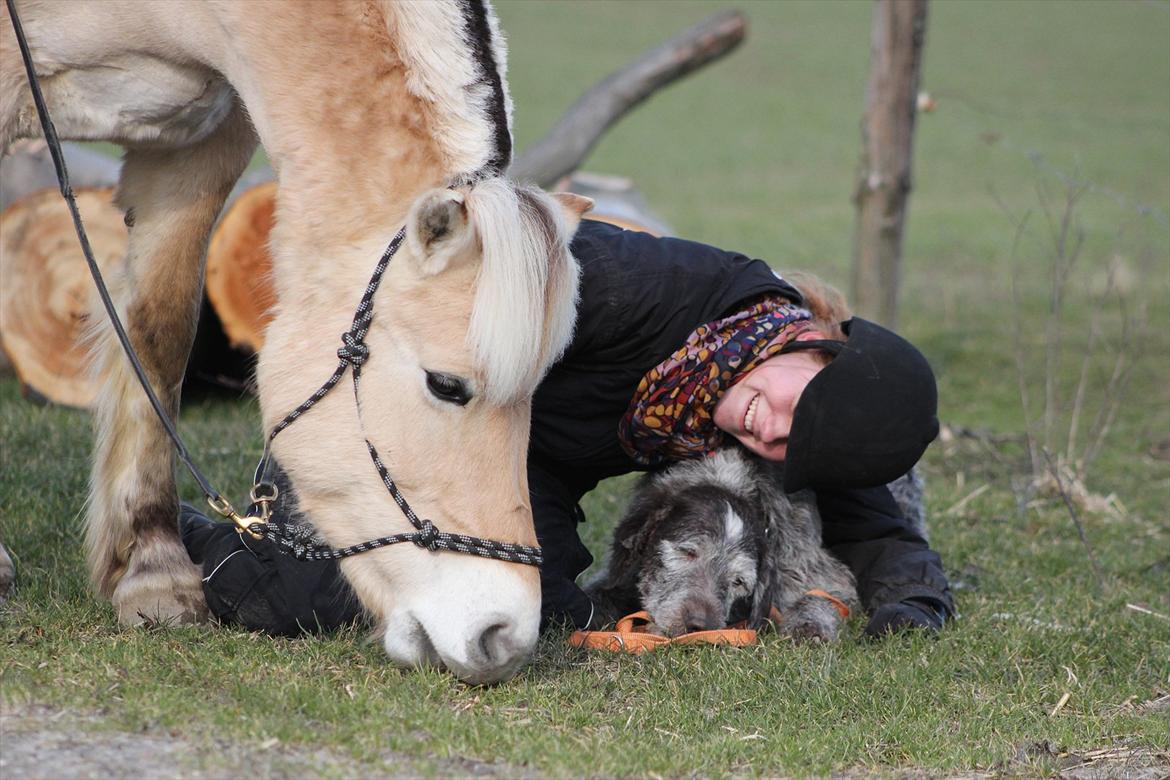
(1111, 763)
(39, 743)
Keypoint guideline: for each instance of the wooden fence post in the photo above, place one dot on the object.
(887, 144)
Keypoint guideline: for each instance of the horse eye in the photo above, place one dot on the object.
(448, 388)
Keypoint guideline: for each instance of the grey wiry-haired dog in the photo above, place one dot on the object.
(711, 541)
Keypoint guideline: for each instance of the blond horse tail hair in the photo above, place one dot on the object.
(526, 294)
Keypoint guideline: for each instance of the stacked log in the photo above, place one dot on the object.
(46, 293)
(28, 168)
(239, 268)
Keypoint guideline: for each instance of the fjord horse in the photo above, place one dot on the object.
(375, 114)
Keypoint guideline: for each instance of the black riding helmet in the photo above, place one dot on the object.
(866, 418)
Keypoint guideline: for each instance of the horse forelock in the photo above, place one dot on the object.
(456, 60)
(526, 291)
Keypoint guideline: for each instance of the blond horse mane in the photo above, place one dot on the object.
(456, 75)
(527, 287)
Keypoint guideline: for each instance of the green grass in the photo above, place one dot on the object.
(758, 153)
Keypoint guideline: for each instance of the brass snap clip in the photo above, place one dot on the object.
(224, 508)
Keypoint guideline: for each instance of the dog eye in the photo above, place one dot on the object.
(449, 388)
(688, 552)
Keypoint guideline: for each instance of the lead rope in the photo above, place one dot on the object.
(297, 540)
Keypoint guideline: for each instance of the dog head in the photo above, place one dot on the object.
(695, 537)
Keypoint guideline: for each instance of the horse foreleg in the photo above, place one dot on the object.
(171, 198)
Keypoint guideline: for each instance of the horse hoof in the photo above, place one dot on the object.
(7, 574)
(161, 587)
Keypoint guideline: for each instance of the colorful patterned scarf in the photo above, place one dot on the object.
(671, 416)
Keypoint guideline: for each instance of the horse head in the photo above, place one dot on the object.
(474, 307)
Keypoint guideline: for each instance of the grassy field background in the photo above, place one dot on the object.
(758, 153)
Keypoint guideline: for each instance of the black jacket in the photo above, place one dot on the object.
(641, 297)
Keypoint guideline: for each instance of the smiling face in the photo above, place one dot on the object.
(758, 410)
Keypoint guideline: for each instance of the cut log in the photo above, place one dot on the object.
(28, 168)
(239, 268)
(46, 290)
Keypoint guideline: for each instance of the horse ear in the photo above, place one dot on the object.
(437, 229)
(574, 206)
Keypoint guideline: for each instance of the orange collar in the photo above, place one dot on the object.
(630, 635)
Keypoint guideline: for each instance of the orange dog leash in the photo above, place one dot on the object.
(630, 635)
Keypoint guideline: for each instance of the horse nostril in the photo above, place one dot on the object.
(494, 642)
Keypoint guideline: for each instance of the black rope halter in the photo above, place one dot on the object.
(302, 542)
(299, 541)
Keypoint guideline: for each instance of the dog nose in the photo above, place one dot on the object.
(702, 617)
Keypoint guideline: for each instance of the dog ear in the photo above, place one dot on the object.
(761, 608)
(767, 589)
(639, 528)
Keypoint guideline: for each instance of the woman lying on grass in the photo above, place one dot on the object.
(677, 346)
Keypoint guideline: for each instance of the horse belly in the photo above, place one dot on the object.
(137, 99)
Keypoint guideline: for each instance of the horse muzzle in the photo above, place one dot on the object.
(478, 619)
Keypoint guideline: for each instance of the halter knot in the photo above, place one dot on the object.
(353, 350)
(427, 536)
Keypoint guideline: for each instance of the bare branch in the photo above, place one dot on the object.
(1018, 345)
(1062, 265)
(1118, 381)
(1086, 362)
(572, 139)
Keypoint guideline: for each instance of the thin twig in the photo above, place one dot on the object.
(1132, 330)
(1067, 252)
(1072, 511)
(1146, 611)
(958, 505)
(1018, 345)
(1083, 382)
